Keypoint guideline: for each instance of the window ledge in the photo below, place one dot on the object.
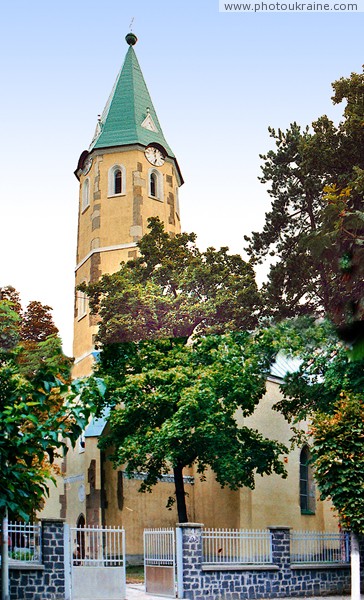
(297, 566)
(116, 195)
(239, 567)
(155, 198)
(308, 512)
(24, 566)
(84, 209)
(81, 317)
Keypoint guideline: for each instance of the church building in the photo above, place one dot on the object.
(128, 174)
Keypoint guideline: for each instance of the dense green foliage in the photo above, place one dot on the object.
(174, 290)
(314, 233)
(179, 408)
(338, 454)
(38, 409)
(324, 372)
(315, 228)
(327, 388)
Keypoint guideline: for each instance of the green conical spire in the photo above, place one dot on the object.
(129, 116)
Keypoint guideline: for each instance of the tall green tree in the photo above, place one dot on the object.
(174, 290)
(339, 458)
(175, 405)
(314, 232)
(174, 375)
(324, 370)
(327, 389)
(38, 411)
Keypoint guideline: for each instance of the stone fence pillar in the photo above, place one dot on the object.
(281, 555)
(281, 546)
(191, 558)
(53, 557)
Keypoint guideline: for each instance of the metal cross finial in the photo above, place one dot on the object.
(131, 24)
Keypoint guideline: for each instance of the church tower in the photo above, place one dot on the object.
(128, 174)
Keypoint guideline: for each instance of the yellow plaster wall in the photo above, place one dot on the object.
(51, 508)
(276, 501)
(139, 510)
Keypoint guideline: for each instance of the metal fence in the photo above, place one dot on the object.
(159, 547)
(236, 546)
(24, 543)
(97, 547)
(308, 547)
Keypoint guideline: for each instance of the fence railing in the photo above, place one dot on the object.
(308, 547)
(236, 546)
(24, 545)
(97, 547)
(159, 547)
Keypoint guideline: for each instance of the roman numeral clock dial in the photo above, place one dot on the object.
(155, 156)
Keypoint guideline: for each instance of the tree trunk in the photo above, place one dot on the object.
(180, 494)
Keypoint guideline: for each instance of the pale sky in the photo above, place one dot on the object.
(217, 81)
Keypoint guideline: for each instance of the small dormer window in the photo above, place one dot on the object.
(117, 175)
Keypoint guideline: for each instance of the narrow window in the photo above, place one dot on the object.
(81, 304)
(80, 549)
(85, 194)
(153, 185)
(177, 203)
(120, 491)
(117, 182)
(307, 487)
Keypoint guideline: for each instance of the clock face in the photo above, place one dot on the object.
(87, 165)
(154, 156)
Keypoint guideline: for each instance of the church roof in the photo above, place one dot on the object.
(97, 425)
(284, 365)
(129, 116)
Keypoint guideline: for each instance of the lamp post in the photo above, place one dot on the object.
(5, 558)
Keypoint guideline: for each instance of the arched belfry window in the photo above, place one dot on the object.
(155, 184)
(86, 194)
(307, 486)
(117, 181)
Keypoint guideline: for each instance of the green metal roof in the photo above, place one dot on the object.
(127, 108)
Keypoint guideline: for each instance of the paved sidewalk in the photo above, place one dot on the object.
(136, 591)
